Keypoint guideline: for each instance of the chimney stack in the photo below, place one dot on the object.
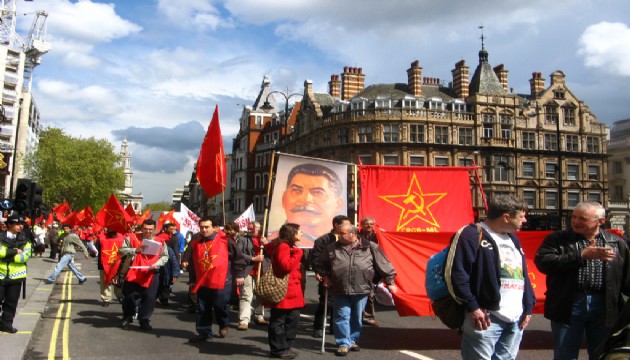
(414, 78)
(353, 82)
(537, 84)
(502, 74)
(334, 86)
(460, 80)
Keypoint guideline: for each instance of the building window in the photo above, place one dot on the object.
(327, 140)
(569, 116)
(410, 103)
(594, 197)
(592, 145)
(573, 198)
(497, 168)
(618, 193)
(382, 103)
(573, 171)
(465, 136)
(259, 121)
(529, 140)
(551, 199)
(550, 170)
(416, 133)
(416, 160)
(366, 159)
(593, 172)
(529, 169)
(441, 134)
(265, 179)
(257, 182)
(465, 162)
(551, 142)
(342, 135)
(617, 167)
(365, 134)
(391, 159)
(572, 143)
(441, 161)
(551, 114)
(506, 131)
(390, 133)
(529, 196)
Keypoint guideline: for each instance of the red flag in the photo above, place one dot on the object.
(62, 210)
(144, 216)
(131, 212)
(113, 216)
(87, 217)
(211, 172)
(164, 218)
(71, 219)
(109, 255)
(409, 253)
(416, 199)
(50, 219)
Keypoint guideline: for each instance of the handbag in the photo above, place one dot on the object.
(270, 288)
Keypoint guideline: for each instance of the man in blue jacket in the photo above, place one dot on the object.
(489, 276)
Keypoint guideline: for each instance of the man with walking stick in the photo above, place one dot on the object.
(347, 268)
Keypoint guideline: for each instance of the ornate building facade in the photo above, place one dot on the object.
(127, 196)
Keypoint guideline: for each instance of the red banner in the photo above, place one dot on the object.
(113, 217)
(211, 172)
(409, 253)
(416, 199)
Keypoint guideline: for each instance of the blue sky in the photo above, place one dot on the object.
(153, 70)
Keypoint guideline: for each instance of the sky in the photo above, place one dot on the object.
(153, 70)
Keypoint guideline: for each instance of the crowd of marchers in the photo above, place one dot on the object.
(587, 269)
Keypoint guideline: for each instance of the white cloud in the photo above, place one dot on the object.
(607, 46)
(199, 14)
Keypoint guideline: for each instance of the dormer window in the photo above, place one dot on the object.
(410, 103)
(359, 104)
(340, 106)
(558, 94)
(436, 103)
(382, 103)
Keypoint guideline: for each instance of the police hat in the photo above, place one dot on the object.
(15, 218)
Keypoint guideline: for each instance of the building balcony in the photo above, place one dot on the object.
(267, 146)
(404, 114)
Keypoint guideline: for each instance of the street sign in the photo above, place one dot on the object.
(6, 204)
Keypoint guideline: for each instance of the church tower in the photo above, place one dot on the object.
(126, 196)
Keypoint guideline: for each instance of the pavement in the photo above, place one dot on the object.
(30, 308)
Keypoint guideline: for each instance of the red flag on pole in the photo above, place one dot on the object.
(131, 212)
(62, 210)
(113, 216)
(211, 172)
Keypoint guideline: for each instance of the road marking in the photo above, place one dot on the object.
(414, 355)
(52, 348)
(66, 324)
(30, 313)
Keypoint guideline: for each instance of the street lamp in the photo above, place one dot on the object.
(267, 106)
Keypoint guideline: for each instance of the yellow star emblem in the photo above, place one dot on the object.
(207, 259)
(415, 204)
(112, 254)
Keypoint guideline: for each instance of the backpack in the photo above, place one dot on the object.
(444, 303)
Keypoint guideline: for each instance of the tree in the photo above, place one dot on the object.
(81, 171)
(160, 206)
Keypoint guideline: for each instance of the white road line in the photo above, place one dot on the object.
(414, 355)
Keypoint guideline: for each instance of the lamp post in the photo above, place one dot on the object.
(287, 96)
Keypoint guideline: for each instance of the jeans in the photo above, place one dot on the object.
(347, 318)
(212, 303)
(588, 314)
(499, 342)
(140, 298)
(66, 260)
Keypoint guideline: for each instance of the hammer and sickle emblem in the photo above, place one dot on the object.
(411, 199)
(2, 163)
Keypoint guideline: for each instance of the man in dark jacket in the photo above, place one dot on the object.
(587, 271)
(489, 276)
(318, 247)
(348, 267)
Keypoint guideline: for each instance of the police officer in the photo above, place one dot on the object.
(15, 250)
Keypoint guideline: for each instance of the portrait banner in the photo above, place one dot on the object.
(308, 192)
(416, 199)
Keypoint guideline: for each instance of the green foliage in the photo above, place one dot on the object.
(81, 171)
(161, 206)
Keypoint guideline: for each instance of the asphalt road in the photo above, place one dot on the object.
(75, 325)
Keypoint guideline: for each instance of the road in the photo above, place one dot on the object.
(75, 325)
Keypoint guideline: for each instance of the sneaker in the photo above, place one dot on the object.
(144, 325)
(288, 354)
(124, 324)
(242, 327)
(46, 281)
(318, 334)
(105, 303)
(223, 332)
(342, 351)
(81, 282)
(8, 329)
(354, 347)
(198, 338)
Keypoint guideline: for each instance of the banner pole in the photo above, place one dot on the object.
(356, 195)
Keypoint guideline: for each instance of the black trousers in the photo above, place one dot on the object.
(9, 296)
(318, 322)
(283, 325)
(132, 292)
(212, 303)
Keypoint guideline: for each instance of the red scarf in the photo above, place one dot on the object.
(143, 277)
(211, 262)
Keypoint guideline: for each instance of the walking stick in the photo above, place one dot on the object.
(325, 318)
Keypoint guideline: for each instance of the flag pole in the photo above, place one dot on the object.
(356, 189)
(223, 205)
(483, 195)
(266, 212)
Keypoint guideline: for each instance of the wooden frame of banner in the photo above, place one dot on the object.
(266, 212)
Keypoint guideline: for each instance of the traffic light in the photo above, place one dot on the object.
(23, 194)
(36, 199)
